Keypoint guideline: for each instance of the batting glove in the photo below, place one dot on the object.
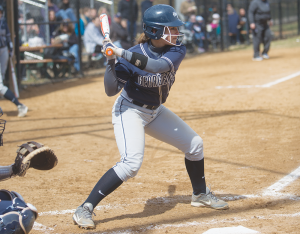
(108, 45)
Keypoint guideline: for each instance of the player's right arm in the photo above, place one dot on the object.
(251, 12)
(112, 83)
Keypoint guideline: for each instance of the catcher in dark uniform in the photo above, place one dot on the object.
(17, 216)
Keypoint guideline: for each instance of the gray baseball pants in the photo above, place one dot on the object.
(131, 122)
(261, 34)
(3, 66)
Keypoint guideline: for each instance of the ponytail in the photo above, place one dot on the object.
(143, 38)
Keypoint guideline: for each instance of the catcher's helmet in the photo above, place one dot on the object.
(2, 127)
(157, 18)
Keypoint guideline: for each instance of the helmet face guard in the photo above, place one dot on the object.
(179, 37)
(2, 127)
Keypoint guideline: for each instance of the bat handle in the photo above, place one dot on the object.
(109, 52)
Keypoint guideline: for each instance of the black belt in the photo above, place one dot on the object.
(145, 106)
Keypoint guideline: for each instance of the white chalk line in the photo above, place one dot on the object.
(41, 227)
(268, 85)
(275, 188)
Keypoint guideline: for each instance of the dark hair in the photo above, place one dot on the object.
(67, 23)
(143, 38)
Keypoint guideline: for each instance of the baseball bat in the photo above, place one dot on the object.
(105, 31)
(14, 79)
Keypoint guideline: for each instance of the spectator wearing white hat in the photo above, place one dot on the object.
(197, 27)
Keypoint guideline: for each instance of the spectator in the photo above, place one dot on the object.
(215, 34)
(93, 39)
(233, 21)
(66, 12)
(93, 13)
(196, 26)
(211, 11)
(215, 24)
(145, 5)
(53, 27)
(188, 8)
(66, 35)
(119, 32)
(130, 14)
(260, 20)
(34, 37)
(51, 6)
(85, 16)
(103, 10)
(84, 19)
(243, 26)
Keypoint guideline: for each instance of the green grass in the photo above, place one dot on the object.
(287, 43)
(286, 27)
(284, 43)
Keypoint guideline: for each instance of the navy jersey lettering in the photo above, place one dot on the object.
(143, 86)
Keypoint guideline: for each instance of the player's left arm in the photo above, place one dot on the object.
(167, 62)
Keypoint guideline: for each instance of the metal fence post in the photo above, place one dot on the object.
(24, 17)
(225, 24)
(205, 16)
(17, 39)
(280, 18)
(221, 24)
(298, 13)
(79, 36)
(246, 9)
(47, 34)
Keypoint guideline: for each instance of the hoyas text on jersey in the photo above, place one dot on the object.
(159, 79)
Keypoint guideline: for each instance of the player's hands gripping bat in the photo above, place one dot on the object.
(108, 49)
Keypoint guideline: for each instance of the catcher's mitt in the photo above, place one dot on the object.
(35, 155)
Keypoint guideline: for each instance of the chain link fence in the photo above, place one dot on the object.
(35, 22)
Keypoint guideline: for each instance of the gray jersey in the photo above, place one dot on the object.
(259, 12)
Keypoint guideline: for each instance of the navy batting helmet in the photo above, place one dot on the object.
(2, 127)
(157, 17)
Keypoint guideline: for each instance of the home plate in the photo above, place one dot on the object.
(231, 230)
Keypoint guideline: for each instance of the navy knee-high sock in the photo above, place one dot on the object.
(109, 182)
(10, 96)
(195, 170)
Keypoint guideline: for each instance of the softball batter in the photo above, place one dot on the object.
(145, 74)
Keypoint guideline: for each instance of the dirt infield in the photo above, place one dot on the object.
(251, 141)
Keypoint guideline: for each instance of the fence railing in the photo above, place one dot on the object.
(34, 14)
